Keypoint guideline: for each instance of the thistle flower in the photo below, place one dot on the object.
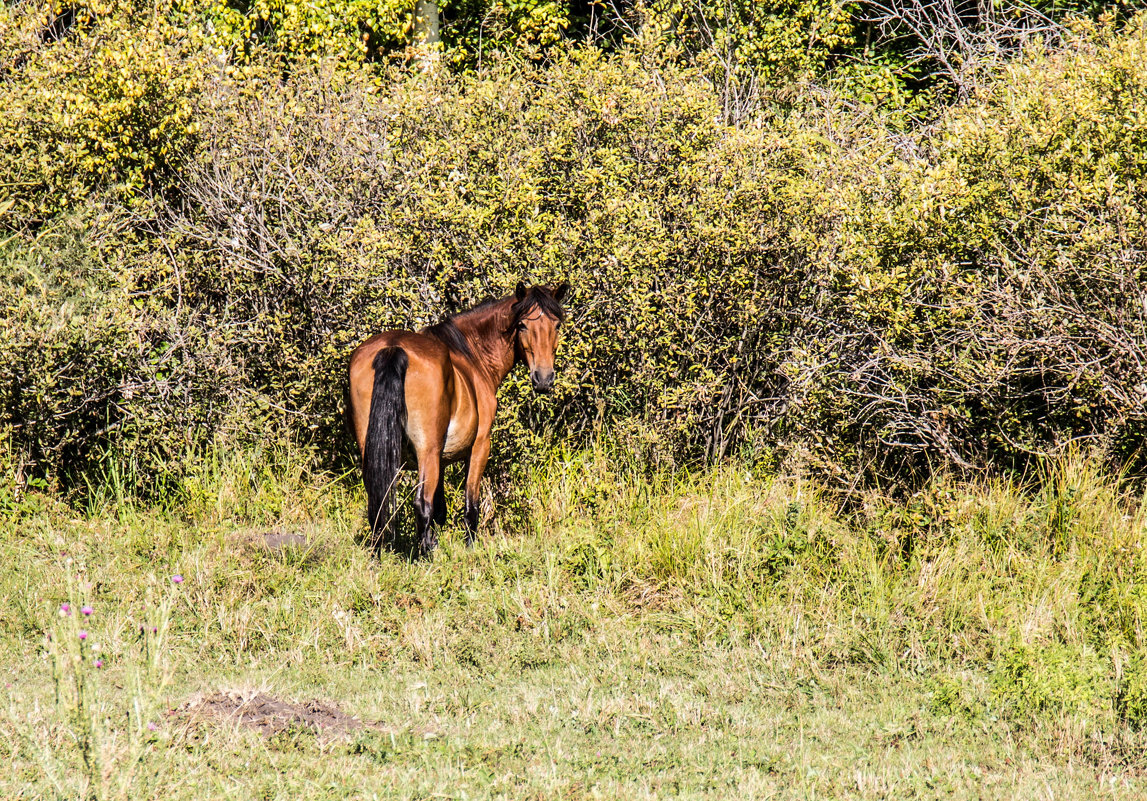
(99, 663)
(86, 610)
(65, 609)
(83, 634)
(177, 578)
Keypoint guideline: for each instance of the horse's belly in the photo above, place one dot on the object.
(459, 438)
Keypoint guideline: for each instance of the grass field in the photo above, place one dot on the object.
(613, 635)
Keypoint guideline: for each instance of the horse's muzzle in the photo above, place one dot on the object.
(543, 383)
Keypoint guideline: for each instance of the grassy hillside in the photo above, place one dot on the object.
(715, 634)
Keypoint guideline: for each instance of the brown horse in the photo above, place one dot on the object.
(432, 395)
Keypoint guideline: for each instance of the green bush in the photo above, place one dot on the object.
(354, 30)
(95, 359)
(1055, 679)
(1132, 699)
(746, 38)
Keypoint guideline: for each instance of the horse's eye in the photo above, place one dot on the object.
(521, 326)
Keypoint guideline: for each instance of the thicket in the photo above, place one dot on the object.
(199, 232)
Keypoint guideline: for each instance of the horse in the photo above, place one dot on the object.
(428, 398)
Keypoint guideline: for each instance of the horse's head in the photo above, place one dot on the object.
(537, 317)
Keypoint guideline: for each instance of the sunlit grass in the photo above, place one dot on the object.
(710, 634)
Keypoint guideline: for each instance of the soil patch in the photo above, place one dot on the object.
(279, 540)
(290, 547)
(271, 716)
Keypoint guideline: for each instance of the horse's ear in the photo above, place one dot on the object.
(520, 292)
(562, 290)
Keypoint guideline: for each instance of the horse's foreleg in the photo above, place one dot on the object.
(429, 501)
(475, 467)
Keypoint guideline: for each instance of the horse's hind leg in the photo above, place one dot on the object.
(429, 502)
(440, 498)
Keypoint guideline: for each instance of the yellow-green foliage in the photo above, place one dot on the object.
(376, 30)
(354, 30)
(530, 24)
(97, 94)
(743, 38)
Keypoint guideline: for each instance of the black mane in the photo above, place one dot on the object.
(447, 333)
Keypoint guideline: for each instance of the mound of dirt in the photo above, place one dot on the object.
(272, 716)
(281, 540)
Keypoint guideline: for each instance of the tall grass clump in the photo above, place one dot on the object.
(109, 675)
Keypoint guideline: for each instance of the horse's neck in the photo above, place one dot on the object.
(492, 343)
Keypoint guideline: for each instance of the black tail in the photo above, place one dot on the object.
(383, 449)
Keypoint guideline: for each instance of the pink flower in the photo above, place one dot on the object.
(86, 610)
(99, 663)
(178, 579)
(151, 726)
(65, 609)
(83, 634)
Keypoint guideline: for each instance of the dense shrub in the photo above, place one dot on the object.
(817, 282)
(746, 39)
(94, 99)
(379, 30)
(95, 355)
